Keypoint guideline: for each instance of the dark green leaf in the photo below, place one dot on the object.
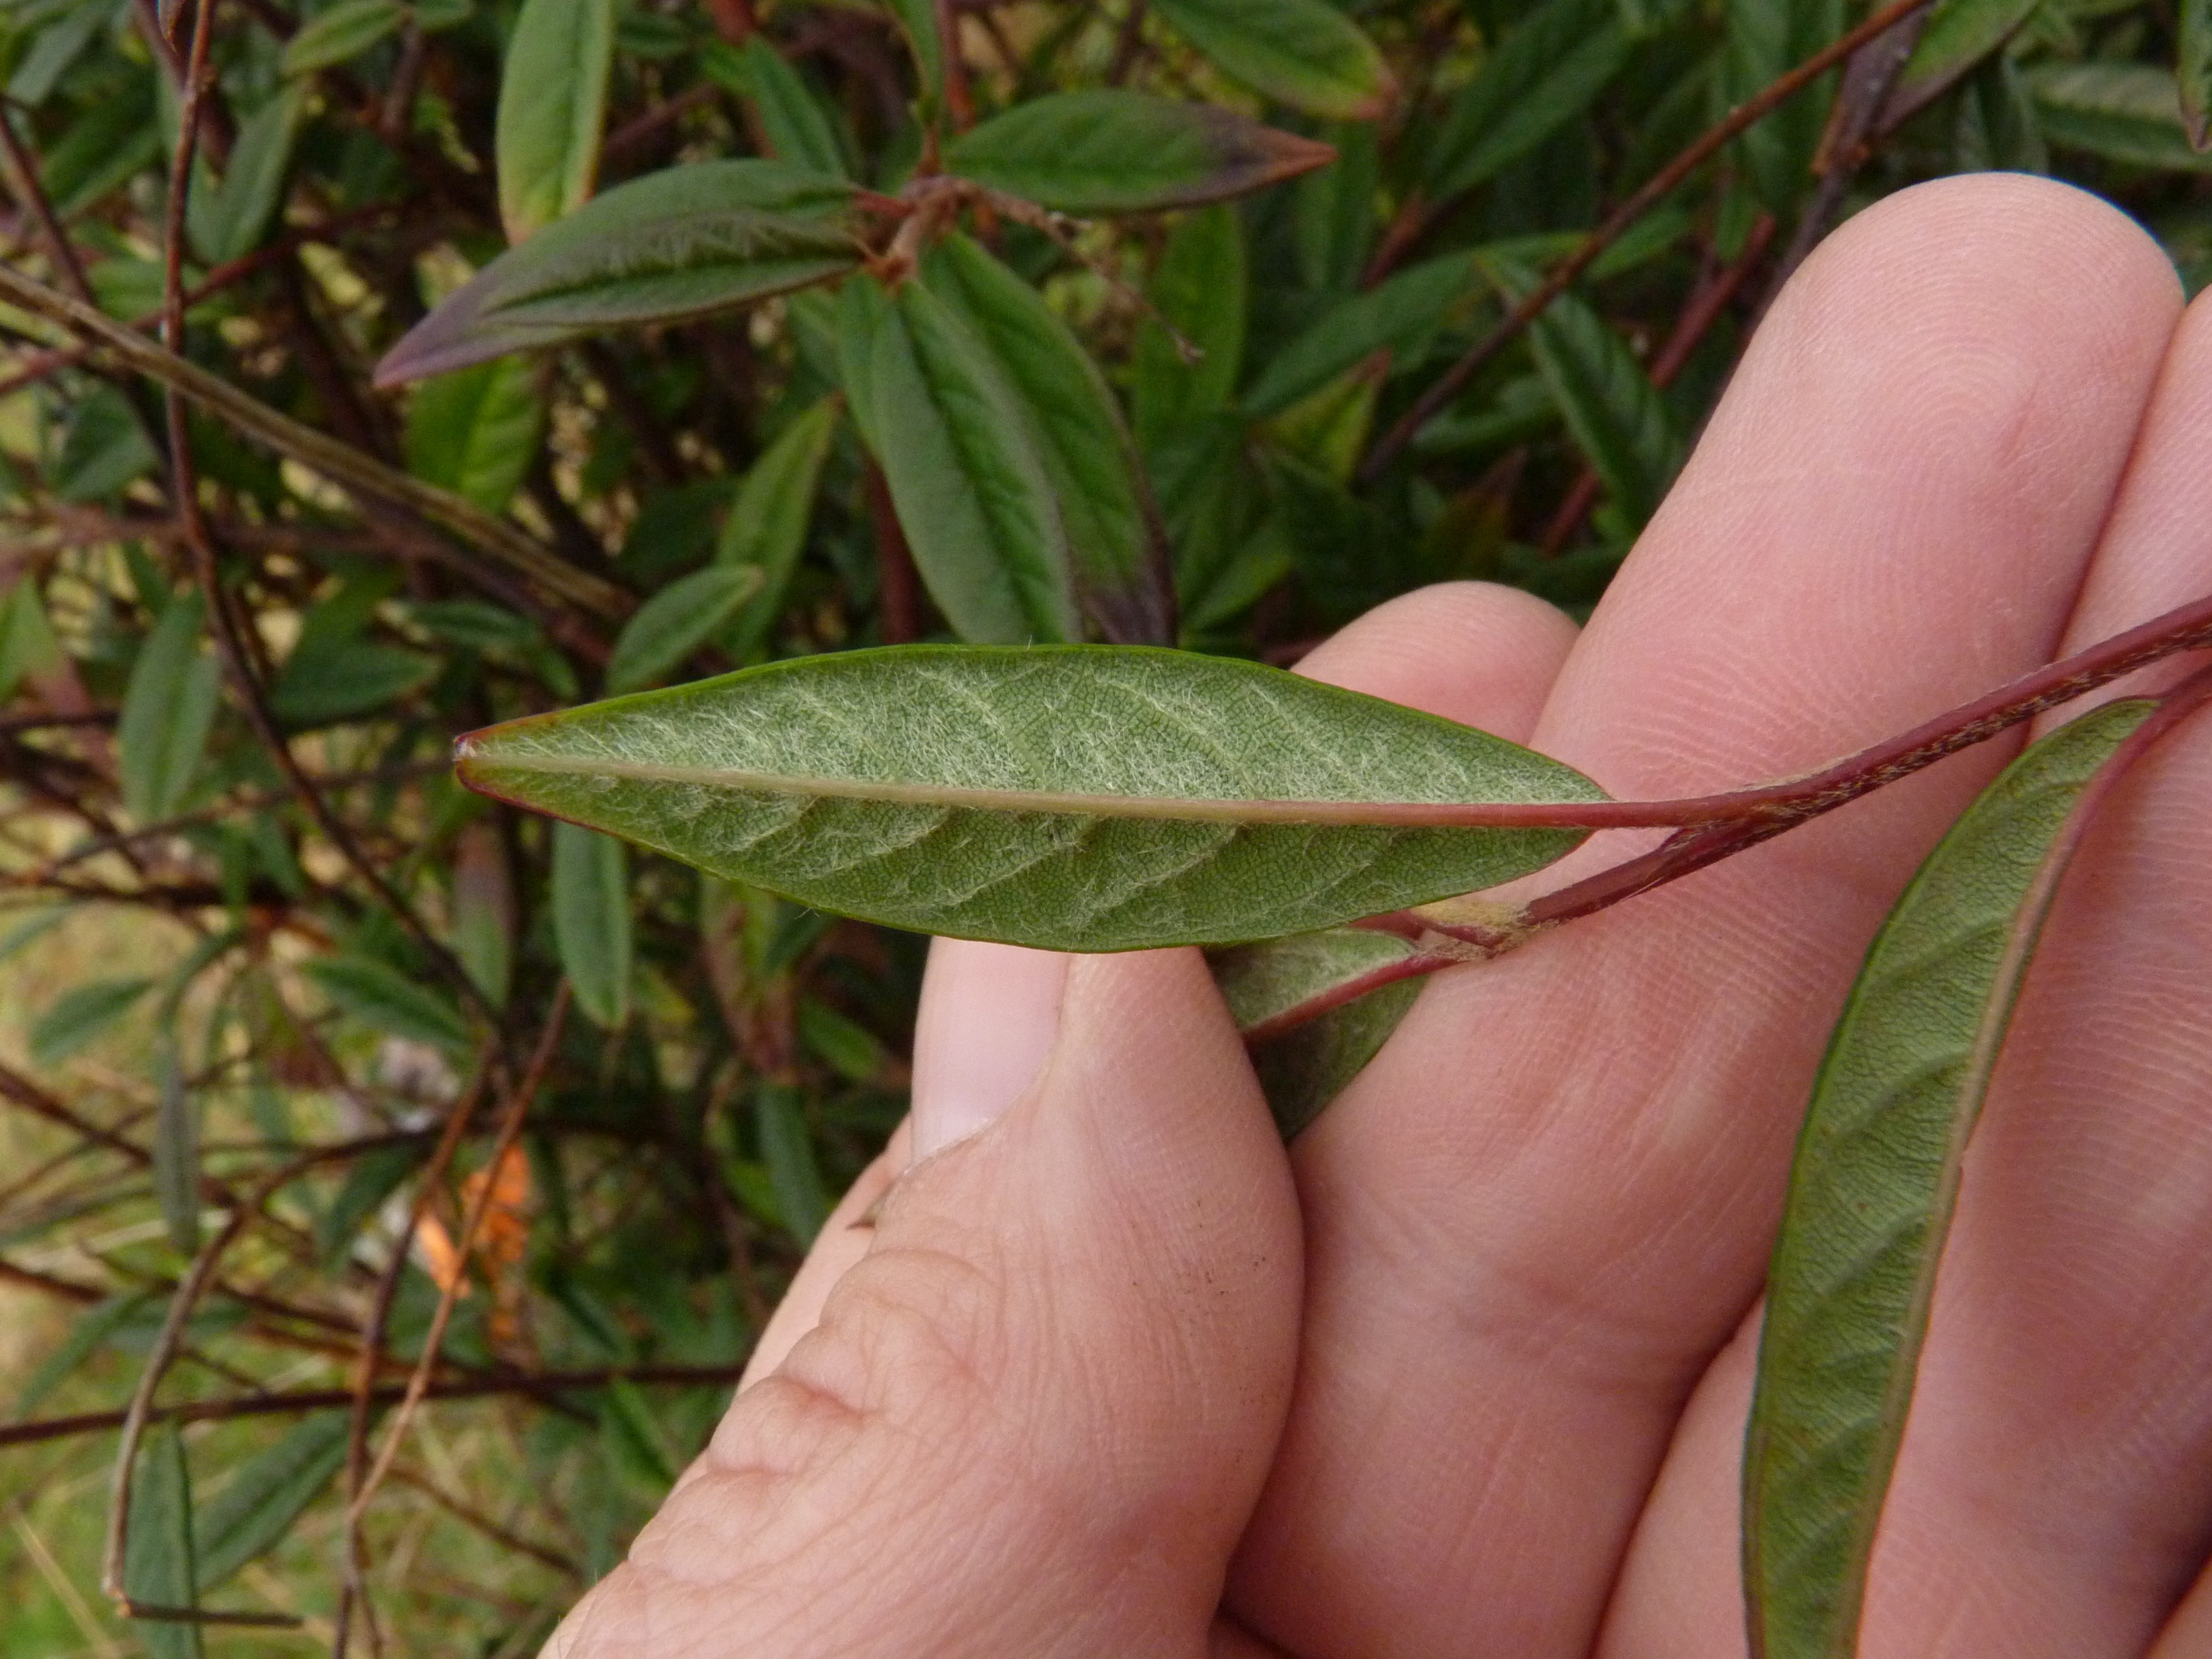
(1309, 1065)
(1959, 34)
(961, 461)
(1547, 72)
(793, 121)
(168, 709)
(81, 1013)
(1078, 797)
(29, 649)
(2125, 113)
(345, 30)
(1876, 1179)
(800, 1198)
(1618, 418)
(1333, 211)
(1263, 983)
(1199, 291)
(674, 244)
(552, 102)
(104, 148)
(158, 1568)
(1765, 39)
(1113, 529)
(252, 1514)
(677, 621)
(103, 449)
(917, 21)
(483, 912)
(91, 1330)
(1122, 152)
(2193, 70)
(766, 528)
(475, 431)
(1400, 316)
(1305, 53)
(636, 1445)
(55, 48)
(848, 1048)
(383, 999)
(372, 1178)
(326, 681)
(227, 220)
(590, 919)
(176, 1150)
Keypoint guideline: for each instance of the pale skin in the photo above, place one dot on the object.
(1464, 1372)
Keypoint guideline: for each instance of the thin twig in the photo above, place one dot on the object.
(1653, 190)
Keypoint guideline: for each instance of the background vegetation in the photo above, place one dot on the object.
(298, 1041)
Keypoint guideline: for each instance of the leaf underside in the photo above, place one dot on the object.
(1072, 797)
(1875, 1178)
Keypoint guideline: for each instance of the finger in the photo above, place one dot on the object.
(1533, 1221)
(2052, 1496)
(1035, 1415)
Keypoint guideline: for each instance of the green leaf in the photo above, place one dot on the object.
(1546, 72)
(176, 1150)
(792, 118)
(1959, 35)
(475, 431)
(29, 648)
(1333, 211)
(850, 1049)
(80, 1014)
(374, 1177)
(1616, 416)
(961, 459)
(1104, 151)
(103, 449)
(227, 220)
(255, 1511)
(1264, 983)
(1114, 536)
(91, 1331)
(383, 999)
(1874, 1182)
(344, 31)
(55, 48)
(158, 1569)
(590, 919)
(482, 935)
(1100, 798)
(788, 1152)
(677, 621)
(2193, 70)
(168, 709)
(552, 103)
(1305, 53)
(1309, 1065)
(1765, 39)
(674, 244)
(1400, 316)
(2125, 113)
(324, 681)
(1199, 287)
(636, 1445)
(767, 525)
(917, 21)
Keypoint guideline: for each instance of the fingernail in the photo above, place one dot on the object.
(989, 1017)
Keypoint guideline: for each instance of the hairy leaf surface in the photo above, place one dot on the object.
(1118, 551)
(1105, 151)
(1305, 53)
(1083, 797)
(961, 456)
(674, 244)
(1309, 1065)
(1874, 1182)
(552, 104)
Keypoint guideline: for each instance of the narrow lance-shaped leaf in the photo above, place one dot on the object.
(168, 709)
(1765, 39)
(384, 999)
(1399, 315)
(1546, 72)
(674, 244)
(590, 919)
(2193, 70)
(158, 1569)
(917, 21)
(1305, 53)
(1618, 418)
(767, 525)
(793, 120)
(482, 911)
(176, 1149)
(552, 103)
(2125, 113)
(788, 1152)
(1105, 151)
(81, 1013)
(677, 621)
(1874, 1182)
(254, 1511)
(1959, 34)
(1199, 291)
(961, 459)
(345, 30)
(227, 220)
(1077, 797)
(475, 431)
(1114, 536)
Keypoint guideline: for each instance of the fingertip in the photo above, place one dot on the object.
(989, 1015)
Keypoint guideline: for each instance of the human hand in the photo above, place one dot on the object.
(1047, 1404)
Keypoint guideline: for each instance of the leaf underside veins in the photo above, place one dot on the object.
(1876, 1177)
(1072, 797)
